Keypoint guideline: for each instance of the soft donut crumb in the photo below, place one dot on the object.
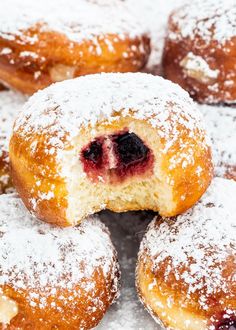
(8, 309)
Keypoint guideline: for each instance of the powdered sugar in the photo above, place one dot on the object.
(63, 109)
(200, 241)
(77, 19)
(35, 254)
(10, 104)
(221, 127)
(210, 19)
(154, 15)
(197, 68)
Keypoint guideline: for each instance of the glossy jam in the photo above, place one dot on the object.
(130, 149)
(94, 153)
(116, 157)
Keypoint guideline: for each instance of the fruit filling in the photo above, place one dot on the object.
(93, 153)
(116, 157)
(130, 149)
(227, 324)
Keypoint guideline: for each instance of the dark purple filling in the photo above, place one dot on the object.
(116, 156)
(228, 324)
(130, 149)
(94, 152)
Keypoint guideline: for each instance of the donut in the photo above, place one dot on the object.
(187, 264)
(221, 127)
(42, 42)
(123, 142)
(200, 50)
(10, 103)
(52, 277)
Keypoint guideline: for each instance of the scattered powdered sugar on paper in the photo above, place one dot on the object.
(10, 104)
(37, 255)
(209, 19)
(200, 241)
(77, 19)
(221, 127)
(63, 109)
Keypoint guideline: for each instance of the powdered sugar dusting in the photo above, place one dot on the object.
(63, 109)
(37, 255)
(10, 104)
(221, 127)
(77, 19)
(200, 241)
(210, 19)
(154, 15)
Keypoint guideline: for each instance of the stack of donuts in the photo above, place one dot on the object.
(84, 129)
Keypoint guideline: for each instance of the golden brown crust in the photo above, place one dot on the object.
(29, 66)
(188, 189)
(186, 265)
(5, 177)
(82, 313)
(26, 173)
(158, 293)
(218, 87)
(56, 279)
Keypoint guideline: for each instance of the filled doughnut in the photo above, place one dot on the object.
(123, 142)
(187, 264)
(53, 278)
(200, 50)
(221, 127)
(10, 103)
(42, 42)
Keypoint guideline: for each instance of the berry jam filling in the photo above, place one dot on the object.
(130, 149)
(116, 157)
(228, 324)
(227, 321)
(93, 153)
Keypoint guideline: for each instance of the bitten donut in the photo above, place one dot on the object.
(123, 142)
(221, 127)
(187, 265)
(200, 50)
(42, 42)
(53, 278)
(10, 103)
